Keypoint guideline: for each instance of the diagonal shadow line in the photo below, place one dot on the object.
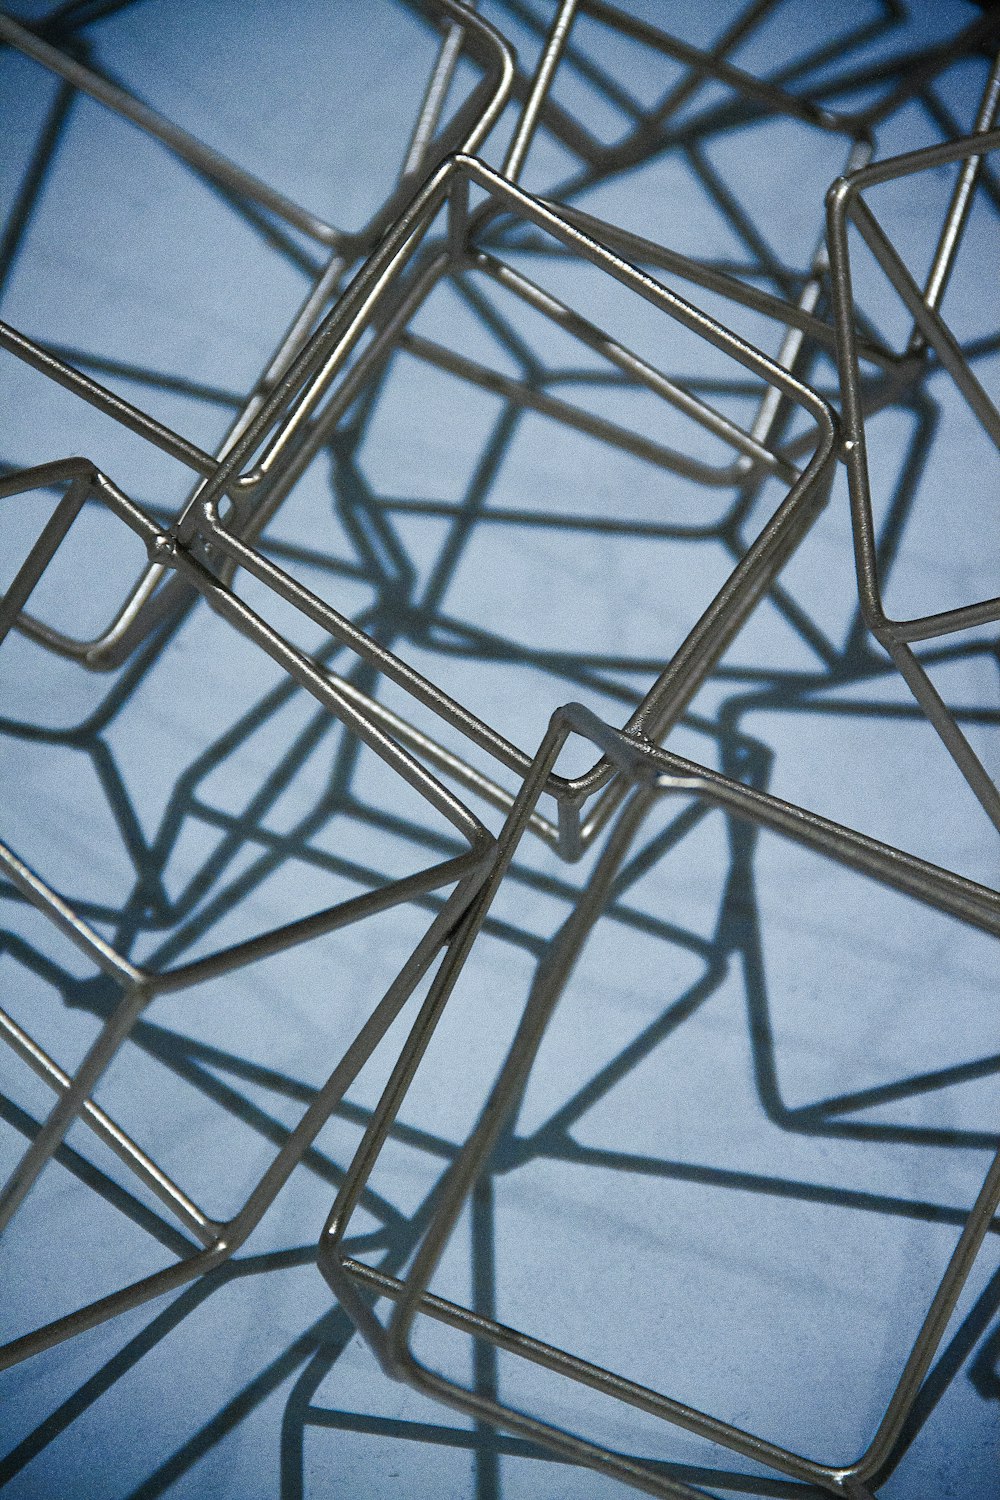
(193, 1061)
(483, 298)
(183, 1306)
(493, 455)
(333, 1327)
(99, 719)
(607, 162)
(871, 708)
(149, 891)
(919, 1209)
(417, 629)
(276, 852)
(550, 520)
(189, 925)
(294, 1419)
(144, 905)
(478, 643)
(938, 1078)
(838, 48)
(377, 544)
(69, 18)
(642, 862)
(797, 692)
(284, 692)
(268, 226)
(34, 180)
(484, 1439)
(164, 1048)
(36, 963)
(318, 1336)
(545, 884)
(292, 1088)
(161, 380)
(324, 1342)
(550, 1135)
(720, 193)
(741, 929)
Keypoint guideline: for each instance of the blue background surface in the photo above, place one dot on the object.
(764, 1105)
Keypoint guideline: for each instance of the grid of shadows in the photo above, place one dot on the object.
(482, 443)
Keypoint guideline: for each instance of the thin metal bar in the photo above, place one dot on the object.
(844, 205)
(183, 145)
(317, 391)
(106, 401)
(545, 72)
(111, 1134)
(960, 206)
(433, 102)
(71, 1101)
(35, 890)
(705, 64)
(638, 369)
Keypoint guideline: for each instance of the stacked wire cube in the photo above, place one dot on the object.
(498, 691)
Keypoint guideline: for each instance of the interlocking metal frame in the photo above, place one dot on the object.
(430, 144)
(650, 774)
(451, 214)
(213, 1241)
(309, 379)
(846, 206)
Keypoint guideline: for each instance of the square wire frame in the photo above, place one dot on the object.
(651, 773)
(377, 307)
(846, 206)
(430, 144)
(211, 1241)
(672, 126)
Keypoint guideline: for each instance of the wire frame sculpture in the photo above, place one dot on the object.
(750, 100)
(430, 144)
(931, 335)
(308, 381)
(451, 216)
(212, 1241)
(650, 774)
